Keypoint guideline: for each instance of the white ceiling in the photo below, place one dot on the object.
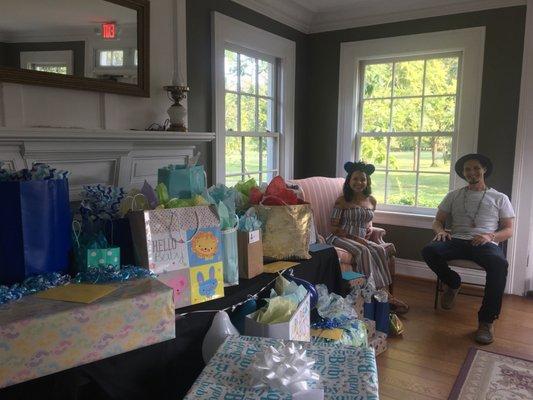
(311, 16)
(49, 15)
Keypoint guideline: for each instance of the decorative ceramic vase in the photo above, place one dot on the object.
(177, 113)
(220, 329)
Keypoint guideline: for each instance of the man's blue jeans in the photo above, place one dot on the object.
(489, 256)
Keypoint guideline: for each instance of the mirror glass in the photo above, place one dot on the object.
(83, 38)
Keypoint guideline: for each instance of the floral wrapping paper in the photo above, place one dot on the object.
(40, 337)
(346, 372)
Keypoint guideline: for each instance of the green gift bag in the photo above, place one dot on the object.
(181, 181)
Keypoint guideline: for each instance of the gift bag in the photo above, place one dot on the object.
(35, 228)
(184, 247)
(378, 311)
(181, 181)
(250, 254)
(230, 257)
(286, 231)
(118, 234)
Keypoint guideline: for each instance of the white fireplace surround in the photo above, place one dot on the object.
(118, 158)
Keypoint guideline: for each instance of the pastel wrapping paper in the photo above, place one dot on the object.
(39, 336)
(346, 373)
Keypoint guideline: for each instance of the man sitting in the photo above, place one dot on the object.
(481, 217)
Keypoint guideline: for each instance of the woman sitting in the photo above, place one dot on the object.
(351, 225)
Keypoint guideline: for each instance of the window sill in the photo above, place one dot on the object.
(403, 219)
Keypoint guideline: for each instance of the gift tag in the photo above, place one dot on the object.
(254, 236)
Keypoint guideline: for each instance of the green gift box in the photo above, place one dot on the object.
(103, 257)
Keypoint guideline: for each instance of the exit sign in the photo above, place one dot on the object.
(109, 30)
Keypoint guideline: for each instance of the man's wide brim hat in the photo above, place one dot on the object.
(483, 160)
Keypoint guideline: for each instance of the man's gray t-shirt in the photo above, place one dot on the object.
(495, 206)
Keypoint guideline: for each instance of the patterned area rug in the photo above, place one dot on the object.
(487, 375)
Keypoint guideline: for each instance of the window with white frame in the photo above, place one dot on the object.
(251, 148)
(410, 106)
(254, 73)
(407, 125)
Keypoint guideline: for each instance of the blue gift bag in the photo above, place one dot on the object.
(182, 182)
(230, 257)
(35, 228)
(379, 312)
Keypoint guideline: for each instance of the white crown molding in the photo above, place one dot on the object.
(287, 12)
(366, 13)
(374, 14)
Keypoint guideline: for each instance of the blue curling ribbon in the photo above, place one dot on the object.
(330, 323)
(38, 283)
(101, 202)
(31, 285)
(38, 172)
(112, 273)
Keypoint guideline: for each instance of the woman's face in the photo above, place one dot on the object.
(358, 181)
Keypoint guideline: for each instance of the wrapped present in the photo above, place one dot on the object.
(39, 336)
(354, 279)
(378, 342)
(103, 257)
(345, 372)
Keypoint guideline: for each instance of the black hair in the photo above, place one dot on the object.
(347, 190)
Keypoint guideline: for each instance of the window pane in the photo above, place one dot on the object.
(247, 113)
(408, 77)
(247, 74)
(105, 58)
(436, 153)
(230, 106)
(403, 153)
(376, 116)
(268, 176)
(432, 188)
(378, 186)
(265, 78)
(53, 69)
(406, 115)
(401, 188)
(232, 180)
(265, 115)
(233, 155)
(251, 154)
(269, 153)
(378, 80)
(118, 58)
(250, 176)
(374, 151)
(439, 114)
(441, 75)
(230, 70)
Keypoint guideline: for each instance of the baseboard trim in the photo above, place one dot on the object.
(419, 269)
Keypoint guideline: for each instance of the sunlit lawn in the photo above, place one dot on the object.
(431, 187)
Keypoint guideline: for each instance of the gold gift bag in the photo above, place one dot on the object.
(286, 231)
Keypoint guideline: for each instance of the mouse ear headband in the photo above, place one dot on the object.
(350, 167)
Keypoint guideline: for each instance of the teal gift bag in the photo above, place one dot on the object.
(181, 181)
(230, 256)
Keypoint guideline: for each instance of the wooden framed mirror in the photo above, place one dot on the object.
(99, 45)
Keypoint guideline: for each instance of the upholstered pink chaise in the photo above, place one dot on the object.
(321, 193)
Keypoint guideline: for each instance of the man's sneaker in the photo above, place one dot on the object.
(485, 333)
(448, 297)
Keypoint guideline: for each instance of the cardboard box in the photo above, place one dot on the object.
(298, 328)
(40, 336)
(346, 372)
(250, 254)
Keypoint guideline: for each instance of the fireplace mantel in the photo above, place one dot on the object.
(111, 157)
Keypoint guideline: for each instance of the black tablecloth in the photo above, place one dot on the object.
(167, 370)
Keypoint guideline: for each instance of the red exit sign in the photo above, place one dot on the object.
(109, 30)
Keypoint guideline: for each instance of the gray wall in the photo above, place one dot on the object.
(317, 83)
(78, 53)
(498, 111)
(199, 59)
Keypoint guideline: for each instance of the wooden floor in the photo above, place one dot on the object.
(424, 363)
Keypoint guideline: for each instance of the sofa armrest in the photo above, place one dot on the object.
(376, 234)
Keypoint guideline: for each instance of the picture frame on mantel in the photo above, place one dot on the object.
(142, 86)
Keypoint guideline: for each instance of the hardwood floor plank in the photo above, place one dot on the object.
(424, 363)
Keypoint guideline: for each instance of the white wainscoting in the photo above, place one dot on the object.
(419, 269)
(118, 158)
